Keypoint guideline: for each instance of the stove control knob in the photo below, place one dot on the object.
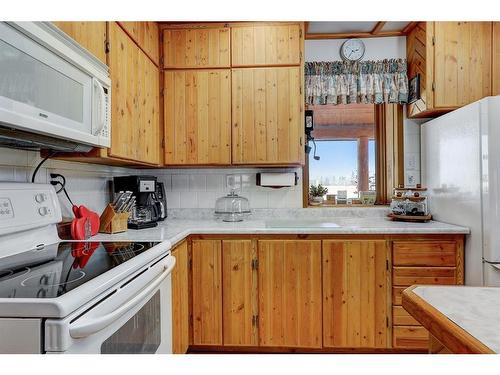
(40, 197)
(43, 211)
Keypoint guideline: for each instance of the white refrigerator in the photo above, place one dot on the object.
(460, 163)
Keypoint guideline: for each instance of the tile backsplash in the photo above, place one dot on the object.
(200, 188)
(90, 184)
(87, 184)
(412, 150)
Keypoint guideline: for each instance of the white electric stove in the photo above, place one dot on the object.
(77, 296)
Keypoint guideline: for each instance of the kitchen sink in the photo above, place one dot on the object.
(301, 223)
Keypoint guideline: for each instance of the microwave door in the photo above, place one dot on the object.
(41, 92)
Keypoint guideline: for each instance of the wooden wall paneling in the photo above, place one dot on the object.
(266, 45)
(239, 292)
(89, 34)
(180, 299)
(197, 117)
(356, 294)
(462, 62)
(267, 116)
(146, 35)
(496, 59)
(196, 48)
(290, 293)
(207, 292)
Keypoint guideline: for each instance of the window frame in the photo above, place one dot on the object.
(389, 155)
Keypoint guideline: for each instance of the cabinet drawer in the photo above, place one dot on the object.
(402, 276)
(401, 317)
(405, 337)
(425, 253)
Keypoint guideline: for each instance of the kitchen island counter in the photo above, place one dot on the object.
(461, 319)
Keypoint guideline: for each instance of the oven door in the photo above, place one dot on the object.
(133, 318)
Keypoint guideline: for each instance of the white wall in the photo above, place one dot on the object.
(376, 48)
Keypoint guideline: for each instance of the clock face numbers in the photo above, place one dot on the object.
(352, 50)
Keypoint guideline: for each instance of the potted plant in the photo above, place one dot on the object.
(316, 194)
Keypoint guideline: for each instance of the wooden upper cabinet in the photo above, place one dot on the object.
(453, 60)
(196, 48)
(462, 60)
(496, 59)
(289, 277)
(356, 291)
(180, 299)
(257, 45)
(89, 34)
(147, 36)
(267, 121)
(197, 117)
(207, 292)
(135, 100)
(239, 292)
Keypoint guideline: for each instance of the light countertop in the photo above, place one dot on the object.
(474, 309)
(175, 230)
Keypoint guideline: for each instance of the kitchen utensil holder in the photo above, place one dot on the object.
(112, 221)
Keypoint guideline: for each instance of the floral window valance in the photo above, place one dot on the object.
(344, 82)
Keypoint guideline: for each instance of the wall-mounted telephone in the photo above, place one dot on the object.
(308, 128)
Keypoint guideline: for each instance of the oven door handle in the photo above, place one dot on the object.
(88, 327)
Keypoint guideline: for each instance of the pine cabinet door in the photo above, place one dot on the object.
(266, 45)
(290, 293)
(135, 100)
(196, 48)
(197, 117)
(267, 117)
(147, 118)
(462, 61)
(239, 292)
(90, 35)
(207, 292)
(146, 35)
(355, 294)
(123, 61)
(180, 299)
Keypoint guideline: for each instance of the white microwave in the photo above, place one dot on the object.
(53, 93)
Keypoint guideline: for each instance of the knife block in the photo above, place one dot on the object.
(113, 222)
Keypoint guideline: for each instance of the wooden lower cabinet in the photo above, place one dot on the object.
(427, 262)
(290, 293)
(180, 299)
(356, 290)
(239, 296)
(207, 292)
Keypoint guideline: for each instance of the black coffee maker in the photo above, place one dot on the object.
(151, 204)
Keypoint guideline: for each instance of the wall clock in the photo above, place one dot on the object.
(352, 50)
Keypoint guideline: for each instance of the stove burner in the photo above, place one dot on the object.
(7, 273)
(44, 279)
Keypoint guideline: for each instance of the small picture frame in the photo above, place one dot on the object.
(414, 89)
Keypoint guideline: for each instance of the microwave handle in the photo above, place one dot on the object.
(90, 326)
(101, 104)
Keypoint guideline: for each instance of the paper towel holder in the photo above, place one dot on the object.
(277, 180)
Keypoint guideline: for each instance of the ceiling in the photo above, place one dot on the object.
(367, 29)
